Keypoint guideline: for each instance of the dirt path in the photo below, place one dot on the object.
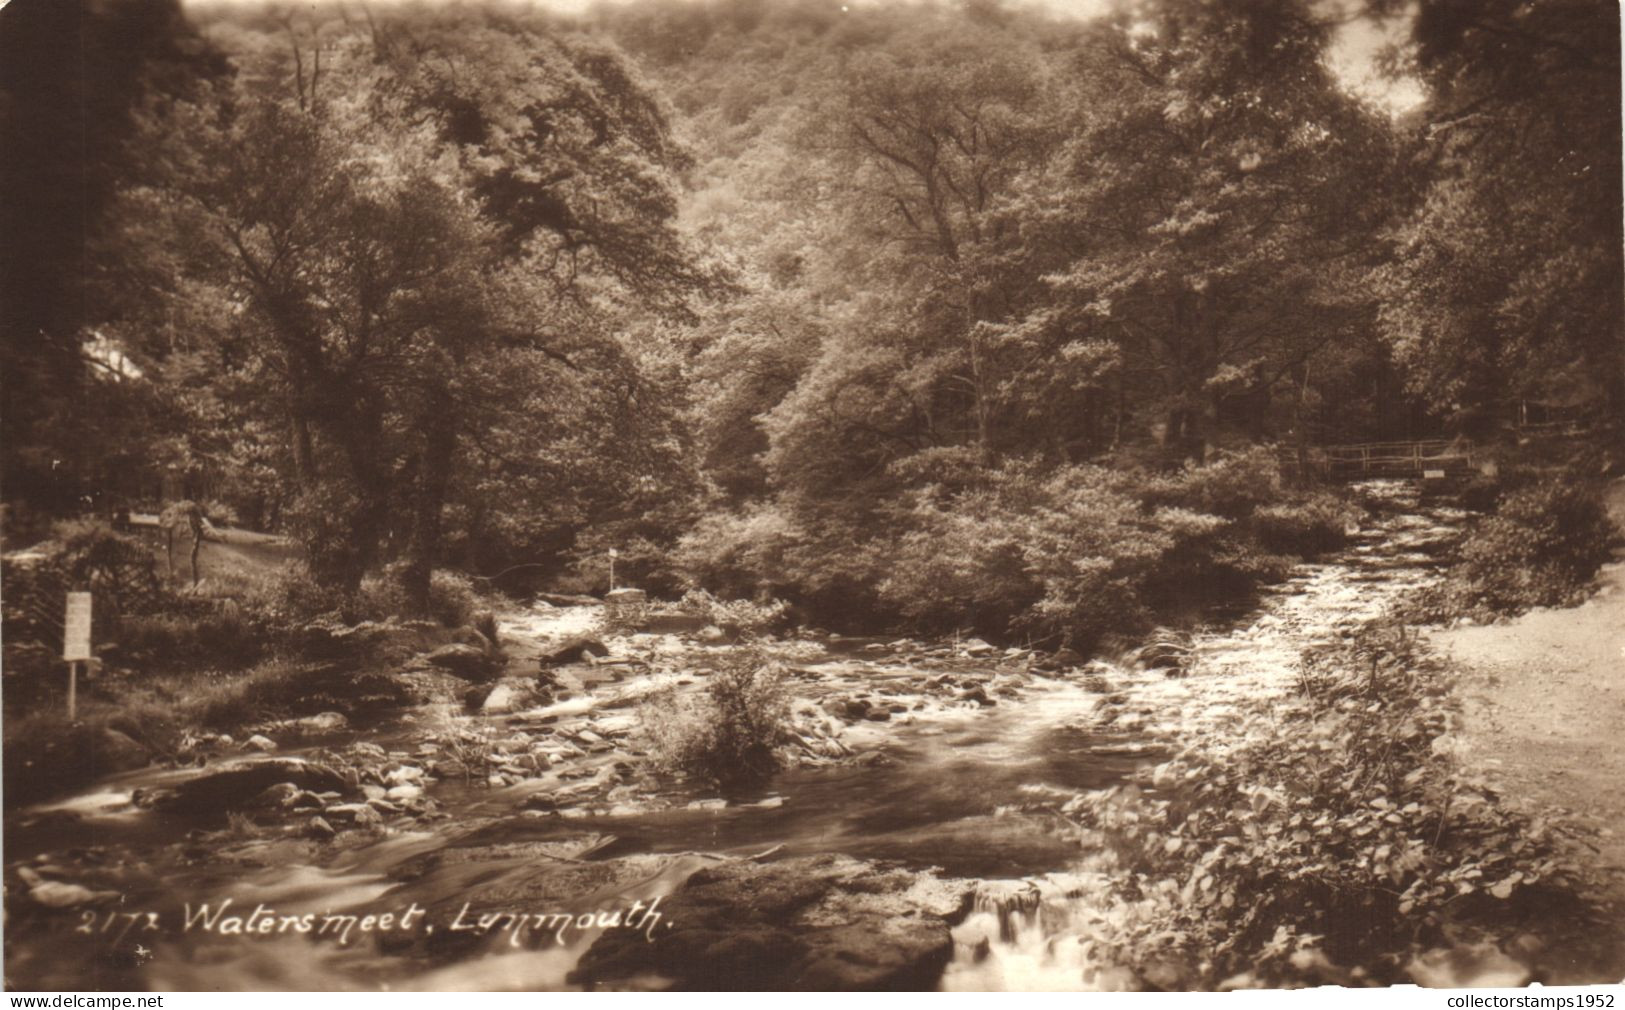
(1544, 719)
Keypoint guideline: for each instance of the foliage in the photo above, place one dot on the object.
(1507, 281)
(1329, 821)
(1540, 548)
(728, 735)
(736, 617)
(1070, 553)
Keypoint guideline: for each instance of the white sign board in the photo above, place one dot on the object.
(76, 628)
(1433, 474)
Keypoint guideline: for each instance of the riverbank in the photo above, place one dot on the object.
(1544, 700)
(944, 773)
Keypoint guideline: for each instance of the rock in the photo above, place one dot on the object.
(263, 744)
(403, 775)
(324, 722)
(118, 752)
(462, 660)
(234, 786)
(623, 596)
(373, 792)
(56, 894)
(573, 650)
(711, 634)
(976, 647)
(402, 793)
(878, 714)
(978, 694)
(360, 815)
(816, 923)
(510, 696)
(318, 828)
(277, 797)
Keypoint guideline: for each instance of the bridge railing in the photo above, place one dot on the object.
(1414, 458)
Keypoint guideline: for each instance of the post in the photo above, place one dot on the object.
(75, 645)
(612, 554)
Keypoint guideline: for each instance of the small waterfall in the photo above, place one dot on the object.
(1031, 935)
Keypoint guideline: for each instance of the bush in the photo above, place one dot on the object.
(1070, 554)
(736, 617)
(728, 735)
(1541, 548)
(1328, 826)
(1314, 524)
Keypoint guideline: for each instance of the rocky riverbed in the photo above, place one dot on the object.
(917, 836)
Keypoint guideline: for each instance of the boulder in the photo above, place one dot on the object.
(512, 695)
(814, 923)
(360, 815)
(235, 786)
(626, 596)
(261, 743)
(462, 660)
(318, 828)
(277, 797)
(573, 650)
(322, 722)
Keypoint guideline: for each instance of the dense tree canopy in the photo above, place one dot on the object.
(473, 286)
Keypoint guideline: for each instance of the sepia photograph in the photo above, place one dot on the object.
(1099, 496)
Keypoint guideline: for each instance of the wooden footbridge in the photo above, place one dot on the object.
(1421, 460)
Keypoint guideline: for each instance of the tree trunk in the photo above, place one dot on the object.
(439, 433)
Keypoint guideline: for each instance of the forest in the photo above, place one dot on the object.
(340, 333)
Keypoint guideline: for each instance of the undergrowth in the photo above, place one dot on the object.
(1541, 547)
(726, 736)
(1328, 827)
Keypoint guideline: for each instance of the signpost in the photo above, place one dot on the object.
(76, 645)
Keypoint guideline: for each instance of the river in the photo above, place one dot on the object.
(971, 789)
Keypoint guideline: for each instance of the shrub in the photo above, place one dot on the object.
(1541, 548)
(1072, 554)
(736, 617)
(1328, 823)
(726, 736)
(1310, 525)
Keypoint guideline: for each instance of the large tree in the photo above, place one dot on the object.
(1509, 276)
(389, 206)
(73, 74)
(1217, 210)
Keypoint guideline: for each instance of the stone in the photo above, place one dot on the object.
(324, 722)
(402, 793)
(360, 815)
(403, 775)
(462, 660)
(235, 785)
(261, 743)
(510, 696)
(812, 923)
(573, 650)
(625, 596)
(978, 694)
(279, 796)
(711, 634)
(878, 714)
(318, 828)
